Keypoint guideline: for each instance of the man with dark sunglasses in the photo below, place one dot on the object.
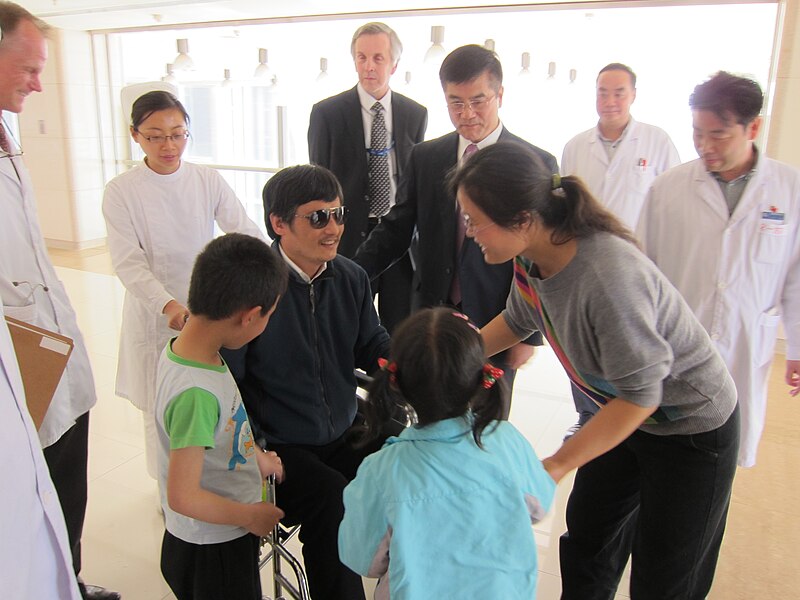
(296, 378)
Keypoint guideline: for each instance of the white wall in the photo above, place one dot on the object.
(60, 133)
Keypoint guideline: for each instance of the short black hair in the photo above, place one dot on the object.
(728, 95)
(152, 102)
(619, 67)
(235, 272)
(293, 186)
(469, 62)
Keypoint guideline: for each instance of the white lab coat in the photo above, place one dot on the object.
(157, 225)
(35, 557)
(621, 184)
(740, 274)
(24, 259)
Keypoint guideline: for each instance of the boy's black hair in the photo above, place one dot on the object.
(293, 186)
(438, 360)
(235, 272)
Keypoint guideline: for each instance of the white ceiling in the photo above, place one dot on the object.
(117, 14)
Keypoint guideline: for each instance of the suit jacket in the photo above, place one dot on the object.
(336, 141)
(425, 203)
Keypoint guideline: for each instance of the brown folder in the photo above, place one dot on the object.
(42, 356)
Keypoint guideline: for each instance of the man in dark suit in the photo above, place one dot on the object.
(450, 267)
(340, 137)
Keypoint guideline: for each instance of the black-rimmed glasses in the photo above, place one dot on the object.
(319, 219)
(160, 139)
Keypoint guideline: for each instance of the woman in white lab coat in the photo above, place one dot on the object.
(159, 215)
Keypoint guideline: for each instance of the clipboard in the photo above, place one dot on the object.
(42, 356)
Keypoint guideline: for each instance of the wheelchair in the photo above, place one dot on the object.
(273, 549)
(273, 546)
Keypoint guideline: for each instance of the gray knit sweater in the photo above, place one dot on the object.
(622, 330)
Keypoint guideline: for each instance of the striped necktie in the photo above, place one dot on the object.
(379, 188)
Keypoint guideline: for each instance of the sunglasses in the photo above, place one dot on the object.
(319, 219)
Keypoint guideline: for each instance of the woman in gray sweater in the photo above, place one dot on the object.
(656, 464)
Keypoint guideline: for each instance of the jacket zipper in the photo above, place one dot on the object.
(313, 300)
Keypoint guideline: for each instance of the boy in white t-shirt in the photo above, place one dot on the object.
(210, 470)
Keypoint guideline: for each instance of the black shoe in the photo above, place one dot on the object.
(94, 592)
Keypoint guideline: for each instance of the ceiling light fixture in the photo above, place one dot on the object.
(436, 52)
(183, 62)
(262, 70)
(170, 76)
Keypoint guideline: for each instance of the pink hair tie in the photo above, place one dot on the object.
(466, 318)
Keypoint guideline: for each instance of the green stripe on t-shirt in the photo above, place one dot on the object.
(220, 368)
(191, 419)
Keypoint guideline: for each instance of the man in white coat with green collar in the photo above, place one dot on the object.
(725, 229)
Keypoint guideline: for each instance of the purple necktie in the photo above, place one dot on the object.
(461, 232)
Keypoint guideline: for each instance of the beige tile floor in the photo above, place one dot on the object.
(122, 536)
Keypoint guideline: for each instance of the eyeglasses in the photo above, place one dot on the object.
(457, 106)
(319, 219)
(473, 229)
(160, 139)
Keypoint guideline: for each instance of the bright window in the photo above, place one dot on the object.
(671, 48)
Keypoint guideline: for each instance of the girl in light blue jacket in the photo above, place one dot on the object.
(445, 509)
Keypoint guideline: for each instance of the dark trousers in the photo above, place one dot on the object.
(663, 499)
(393, 288)
(583, 406)
(311, 495)
(67, 460)
(226, 570)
